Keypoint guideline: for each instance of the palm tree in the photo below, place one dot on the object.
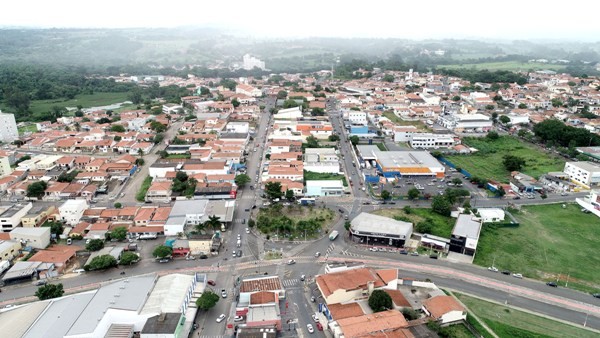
(213, 222)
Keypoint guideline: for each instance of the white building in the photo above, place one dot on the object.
(38, 238)
(171, 108)
(322, 167)
(404, 133)
(432, 141)
(516, 119)
(488, 215)
(584, 173)
(322, 188)
(591, 202)
(288, 114)
(8, 128)
(5, 168)
(357, 117)
(72, 210)
(10, 217)
(238, 127)
(247, 90)
(466, 122)
(190, 213)
(250, 62)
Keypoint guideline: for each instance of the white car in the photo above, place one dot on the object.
(314, 317)
(310, 328)
(247, 230)
(517, 275)
(238, 318)
(221, 318)
(493, 269)
(224, 294)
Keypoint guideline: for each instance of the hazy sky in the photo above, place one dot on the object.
(510, 19)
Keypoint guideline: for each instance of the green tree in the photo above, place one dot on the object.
(456, 181)
(204, 91)
(441, 205)
(139, 161)
(389, 78)
(242, 179)
(410, 314)
(94, 245)
(118, 205)
(492, 135)
(56, 228)
(380, 300)
(385, 195)
(289, 195)
(117, 128)
(290, 103)
(162, 251)
(504, 119)
(312, 142)
(282, 94)
(207, 300)
(413, 193)
(251, 223)
(456, 98)
(347, 225)
(235, 102)
(512, 162)
(128, 258)
(158, 127)
(49, 291)
(37, 189)
(158, 138)
(101, 262)
(213, 222)
(333, 138)
(522, 106)
(119, 233)
(557, 103)
(273, 190)
(354, 139)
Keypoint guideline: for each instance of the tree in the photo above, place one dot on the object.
(158, 127)
(119, 233)
(522, 106)
(49, 291)
(347, 225)
(140, 161)
(456, 181)
(512, 162)
(504, 119)
(413, 193)
(556, 103)
(101, 262)
(118, 205)
(354, 139)
(333, 138)
(162, 251)
(67, 177)
(207, 300)
(128, 258)
(290, 103)
(251, 223)
(317, 111)
(273, 190)
(385, 195)
(410, 314)
(117, 128)
(389, 78)
(282, 94)
(37, 189)
(117, 138)
(492, 135)
(380, 300)
(213, 222)
(312, 142)
(242, 179)
(56, 228)
(456, 98)
(158, 138)
(235, 102)
(95, 245)
(441, 205)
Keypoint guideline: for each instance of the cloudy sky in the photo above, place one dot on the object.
(509, 19)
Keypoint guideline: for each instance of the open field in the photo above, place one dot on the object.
(551, 242)
(29, 128)
(94, 100)
(310, 176)
(440, 225)
(390, 115)
(507, 65)
(507, 322)
(487, 162)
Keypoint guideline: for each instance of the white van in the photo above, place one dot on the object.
(80, 271)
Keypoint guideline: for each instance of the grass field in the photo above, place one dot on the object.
(550, 243)
(441, 225)
(390, 115)
(310, 176)
(487, 162)
(30, 128)
(507, 65)
(507, 322)
(381, 146)
(94, 100)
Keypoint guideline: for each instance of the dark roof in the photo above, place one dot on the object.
(163, 323)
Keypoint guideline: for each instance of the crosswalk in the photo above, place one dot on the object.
(291, 282)
(346, 253)
(238, 220)
(330, 249)
(212, 336)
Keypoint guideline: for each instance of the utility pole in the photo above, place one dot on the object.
(567, 283)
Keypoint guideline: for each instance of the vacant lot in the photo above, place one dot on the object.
(294, 221)
(507, 322)
(550, 241)
(507, 65)
(439, 225)
(312, 176)
(487, 162)
(86, 101)
(390, 115)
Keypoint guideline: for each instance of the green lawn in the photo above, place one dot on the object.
(87, 101)
(179, 156)
(381, 146)
(441, 225)
(141, 194)
(549, 241)
(487, 162)
(507, 322)
(30, 128)
(507, 65)
(312, 176)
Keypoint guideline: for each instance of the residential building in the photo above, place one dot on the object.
(348, 285)
(250, 62)
(444, 309)
(584, 173)
(390, 323)
(171, 108)
(323, 188)
(71, 211)
(5, 168)
(38, 238)
(320, 155)
(60, 256)
(250, 286)
(465, 235)
(373, 229)
(9, 250)
(10, 217)
(248, 90)
(190, 213)
(37, 216)
(8, 128)
(159, 192)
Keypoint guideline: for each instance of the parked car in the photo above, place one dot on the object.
(164, 260)
(310, 329)
(317, 254)
(493, 269)
(238, 318)
(40, 282)
(314, 318)
(247, 230)
(596, 295)
(414, 253)
(517, 275)
(505, 272)
(552, 284)
(403, 252)
(319, 327)
(223, 293)
(302, 278)
(211, 282)
(221, 318)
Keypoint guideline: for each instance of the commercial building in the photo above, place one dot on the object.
(71, 211)
(405, 163)
(38, 238)
(8, 128)
(464, 123)
(190, 213)
(9, 250)
(584, 173)
(357, 117)
(10, 217)
(465, 235)
(373, 229)
(322, 188)
(250, 62)
(489, 215)
(433, 141)
(591, 202)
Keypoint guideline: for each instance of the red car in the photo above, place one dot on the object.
(319, 327)
(211, 282)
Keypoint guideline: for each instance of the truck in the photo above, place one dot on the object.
(307, 201)
(4, 265)
(333, 235)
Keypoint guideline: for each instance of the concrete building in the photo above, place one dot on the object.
(462, 123)
(322, 188)
(465, 235)
(237, 127)
(348, 285)
(10, 217)
(38, 238)
(250, 62)
(591, 202)
(373, 229)
(432, 141)
(357, 117)
(9, 250)
(72, 210)
(489, 215)
(8, 128)
(404, 163)
(288, 114)
(5, 168)
(37, 216)
(190, 213)
(584, 173)
(320, 155)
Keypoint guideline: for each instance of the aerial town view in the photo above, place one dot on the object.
(317, 169)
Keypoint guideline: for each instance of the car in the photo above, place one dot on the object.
(223, 293)
(291, 261)
(78, 271)
(319, 327)
(233, 253)
(211, 282)
(414, 253)
(203, 256)
(314, 318)
(596, 295)
(517, 198)
(238, 318)
(552, 284)
(493, 269)
(366, 203)
(517, 275)
(239, 253)
(403, 252)
(221, 318)
(564, 194)
(246, 210)
(310, 329)
(247, 230)
(313, 299)
(302, 278)
(373, 249)
(505, 272)
(392, 202)
(40, 282)
(317, 254)
(254, 206)
(164, 260)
